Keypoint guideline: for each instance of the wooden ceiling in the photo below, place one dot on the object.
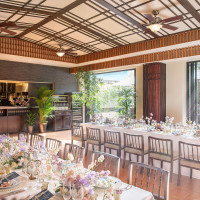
(90, 26)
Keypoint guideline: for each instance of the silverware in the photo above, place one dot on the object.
(128, 187)
(12, 193)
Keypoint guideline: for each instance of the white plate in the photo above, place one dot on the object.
(15, 183)
(117, 183)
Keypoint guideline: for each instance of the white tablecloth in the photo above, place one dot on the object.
(146, 134)
(132, 194)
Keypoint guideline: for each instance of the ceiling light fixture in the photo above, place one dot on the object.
(60, 53)
(155, 27)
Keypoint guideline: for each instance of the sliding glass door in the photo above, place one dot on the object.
(193, 91)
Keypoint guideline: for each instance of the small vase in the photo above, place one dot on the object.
(117, 195)
(43, 127)
(198, 132)
(30, 129)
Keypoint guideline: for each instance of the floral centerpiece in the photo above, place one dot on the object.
(149, 119)
(14, 153)
(83, 181)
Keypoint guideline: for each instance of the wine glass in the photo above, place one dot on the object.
(25, 174)
(39, 179)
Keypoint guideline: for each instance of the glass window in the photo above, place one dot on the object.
(117, 95)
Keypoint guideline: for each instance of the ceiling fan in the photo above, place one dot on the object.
(156, 23)
(61, 51)
(7, 24)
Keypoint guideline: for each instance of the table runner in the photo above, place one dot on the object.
(133, 194)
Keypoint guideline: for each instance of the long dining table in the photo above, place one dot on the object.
(159, 134)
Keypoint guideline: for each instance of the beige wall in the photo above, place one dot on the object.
(139, 91)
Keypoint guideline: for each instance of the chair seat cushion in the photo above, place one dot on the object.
(135, 151)
(113, 146)
(191, 163)
(163, 157)
(79, 138)
(95, 142)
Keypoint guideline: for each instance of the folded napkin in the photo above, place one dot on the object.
(9, 177)
(43, 195)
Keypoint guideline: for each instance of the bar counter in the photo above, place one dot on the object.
(13, 119)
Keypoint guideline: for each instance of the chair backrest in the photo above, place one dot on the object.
(93, 134)
(150, 178)
(53, 144)
(36, 140)
(23, 136)
(77, 131)
(112, 137)
(160, 146)
(111, 163)
(134, 141)
(190, 152)
(75, 150)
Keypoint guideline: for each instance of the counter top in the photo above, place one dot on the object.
(12, 107)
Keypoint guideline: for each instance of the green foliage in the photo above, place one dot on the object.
(31, 118)
(89, 86)
(125, 101)
(44, 100)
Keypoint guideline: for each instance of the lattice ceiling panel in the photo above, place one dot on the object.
(88, 26)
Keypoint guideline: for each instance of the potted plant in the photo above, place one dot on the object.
(44, 100)
(89, 86)
(125, 102)
(31, 119)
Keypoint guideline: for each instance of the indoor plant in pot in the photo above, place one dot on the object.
(44, 100)
(31, 119)
(89, 87)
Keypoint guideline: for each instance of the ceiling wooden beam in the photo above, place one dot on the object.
(52, 17)
(25, 9)
(61, 17)
(90, 30)
(190, 8)
(141, 59)
(67, 41)
(124, 16)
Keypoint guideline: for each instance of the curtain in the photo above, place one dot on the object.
(192, 92)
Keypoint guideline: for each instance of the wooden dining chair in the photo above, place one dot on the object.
(149, 178)
(112, 141)
(162, 150)
(53, 144)
(24, 136)
(36, 140)
(93, 138)
(189, 156)
(134, 144)
(111, 163)
(78, 134)
(75, 150)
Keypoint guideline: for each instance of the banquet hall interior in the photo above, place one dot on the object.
(100, 99)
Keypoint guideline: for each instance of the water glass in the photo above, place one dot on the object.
(67, 191)
(77, 192)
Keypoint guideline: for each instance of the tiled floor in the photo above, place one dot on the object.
(189, 189)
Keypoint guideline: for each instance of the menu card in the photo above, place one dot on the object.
(43, 195)
(9, 177)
